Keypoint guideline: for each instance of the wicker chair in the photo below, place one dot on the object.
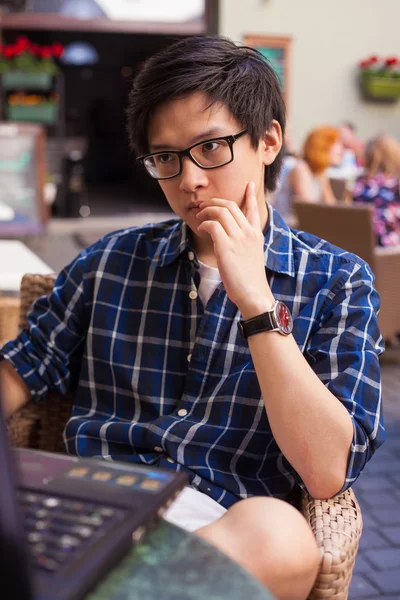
(336, 523)
(351, 227)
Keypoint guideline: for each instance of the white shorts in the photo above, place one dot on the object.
(193, 509)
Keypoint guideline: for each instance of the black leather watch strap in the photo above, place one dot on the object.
(257, 324)
(278, 318)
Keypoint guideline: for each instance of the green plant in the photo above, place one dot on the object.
(29, 57)
(380, 67)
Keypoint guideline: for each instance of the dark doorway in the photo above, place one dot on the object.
(95, 101)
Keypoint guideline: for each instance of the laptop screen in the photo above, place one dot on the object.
(14, 576)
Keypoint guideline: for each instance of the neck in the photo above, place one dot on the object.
(204, 248)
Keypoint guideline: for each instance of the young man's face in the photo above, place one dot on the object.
(182, 122)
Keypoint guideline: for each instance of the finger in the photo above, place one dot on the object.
(252, 210)
(231, 206)
(222, 215)
(215, 231)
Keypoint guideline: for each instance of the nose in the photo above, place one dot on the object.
(192, 177)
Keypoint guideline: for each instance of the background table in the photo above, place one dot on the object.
(15, 260)
(172, 564)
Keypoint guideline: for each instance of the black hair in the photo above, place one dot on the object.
(237, 76)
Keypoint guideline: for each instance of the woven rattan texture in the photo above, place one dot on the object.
(52, 413)
(337, 526)
(9, 315)
(32, 287)
(335, 523)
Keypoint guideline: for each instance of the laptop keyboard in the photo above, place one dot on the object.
(58, 529)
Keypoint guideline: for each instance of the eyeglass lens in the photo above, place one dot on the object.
(208, 154)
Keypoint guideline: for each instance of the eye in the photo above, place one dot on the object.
(211, 146)
(164, 158)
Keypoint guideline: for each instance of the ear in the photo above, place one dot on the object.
(271, 143)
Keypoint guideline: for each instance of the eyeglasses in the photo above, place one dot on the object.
(209, 154)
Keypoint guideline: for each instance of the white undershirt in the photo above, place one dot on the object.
(193, 509)
(209, 281)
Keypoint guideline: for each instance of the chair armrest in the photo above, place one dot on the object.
(23, 426)
(41, 425)
(33, 286)
(9, 315)
(337, 526)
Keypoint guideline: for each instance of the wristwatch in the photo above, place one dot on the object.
(278, 318)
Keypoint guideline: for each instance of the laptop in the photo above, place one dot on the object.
(65, 522)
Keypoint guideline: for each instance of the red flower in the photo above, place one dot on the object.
(22, 43)
(374, 59)
(35, 49)
(391, 60)
(18, 50)
(363, 64)
(9, 51)
(58, 49)
(46, 52)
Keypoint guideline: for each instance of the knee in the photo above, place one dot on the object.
(285, 542)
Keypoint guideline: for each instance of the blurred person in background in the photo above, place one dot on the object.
(353, 147)
(281, 198)
(380, 186)
(307, 180)
(351, 165)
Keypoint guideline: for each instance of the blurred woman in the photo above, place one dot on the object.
(380, 186)
(307, 179)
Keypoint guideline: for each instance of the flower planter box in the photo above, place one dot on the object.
(38, 113)
(41, 80)
(381, 88)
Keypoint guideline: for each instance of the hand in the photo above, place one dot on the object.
(239, 249)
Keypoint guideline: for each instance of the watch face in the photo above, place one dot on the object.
(284, 318)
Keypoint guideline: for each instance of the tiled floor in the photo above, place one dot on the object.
(377, 571)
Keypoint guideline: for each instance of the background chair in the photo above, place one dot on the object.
(9, 317)
(336, 523)
(351, 227)
(339, 188)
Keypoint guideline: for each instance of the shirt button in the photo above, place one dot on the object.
(190, 255)
(189, 357)
(158, 449)
(182, 412)
(171, 460)
(193, 295)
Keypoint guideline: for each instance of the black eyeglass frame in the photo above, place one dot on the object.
(230, 139)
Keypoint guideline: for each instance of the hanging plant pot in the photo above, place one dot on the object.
(24, 80)
(377, 87)
(45, 112)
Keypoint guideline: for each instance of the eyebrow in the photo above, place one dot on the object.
(209, 134)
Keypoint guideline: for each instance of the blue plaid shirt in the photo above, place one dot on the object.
(161, 380)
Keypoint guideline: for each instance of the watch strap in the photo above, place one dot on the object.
(263, 322)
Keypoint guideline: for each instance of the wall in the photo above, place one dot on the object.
(329, 39)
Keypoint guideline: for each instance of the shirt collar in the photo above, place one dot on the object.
(278, 244)
(176, 242)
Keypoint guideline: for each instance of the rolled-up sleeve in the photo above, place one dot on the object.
(344, 352)
(47, 354)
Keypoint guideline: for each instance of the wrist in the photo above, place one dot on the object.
(254, 307)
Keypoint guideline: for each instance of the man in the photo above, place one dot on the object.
(352, 145)
(158, 329)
